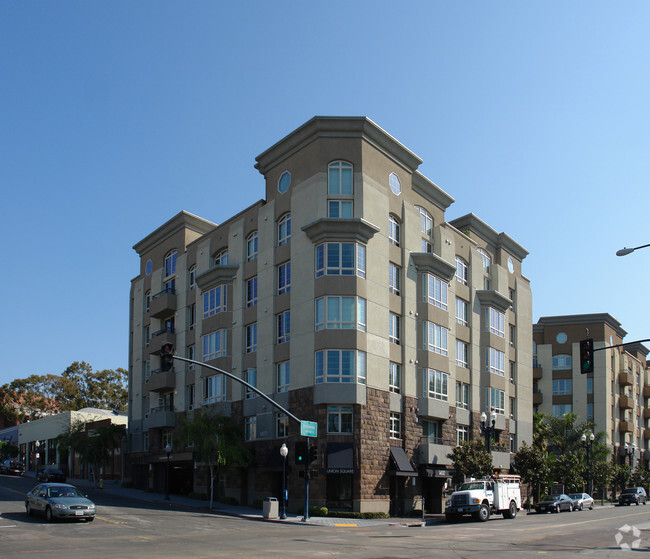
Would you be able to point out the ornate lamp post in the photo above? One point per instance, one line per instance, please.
(588, 443)
(629, 452)
(283, 452)
(488, 429)
(168, 449)
(37, 444)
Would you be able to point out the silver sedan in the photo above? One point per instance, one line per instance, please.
(582, 501)
(59, 500)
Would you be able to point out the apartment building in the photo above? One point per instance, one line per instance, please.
(614, 396)
(348, 298)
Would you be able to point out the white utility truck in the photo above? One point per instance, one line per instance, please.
(482, 497)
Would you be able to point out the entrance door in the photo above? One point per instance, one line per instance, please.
(339, 492)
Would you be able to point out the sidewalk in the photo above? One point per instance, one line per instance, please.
(179, 501)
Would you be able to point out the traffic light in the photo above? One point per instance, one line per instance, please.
(587, 356)
(313, 453)
(166, 357)
(300, 453)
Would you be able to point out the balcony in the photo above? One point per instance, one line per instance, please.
(161, 380)
(625, 379)
(434, 450)
(625, 426)
(161, 337)
(163, 304)
(626, 403)
(159, 417)
(537, 373)
(537, 398)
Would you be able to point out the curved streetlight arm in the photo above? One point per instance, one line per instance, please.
(625, 251)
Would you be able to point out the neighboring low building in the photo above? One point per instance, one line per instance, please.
(615, 396)
(38, 445)
(347, 297)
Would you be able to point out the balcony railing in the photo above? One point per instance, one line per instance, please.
(165, 330)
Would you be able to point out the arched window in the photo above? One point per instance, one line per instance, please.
(487, 260)
(251, 246)
(170, 263)
(284, 229)
(393, 230)
(426, 222)
(339, 178)
(191, 277)
(561, 362)
(221, 258)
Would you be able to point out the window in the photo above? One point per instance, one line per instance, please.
(461, 270)
(394, 377)
(214, 389)
(341, 313)
(395, 425)
(251, 337)
(191, 275)
(170, 263)
(281, 425)
(147, 369)
(560, 410)
(462, 395)
(496, 400)
(251, 292)
(283, 375)
(191, 354)
(561, 362)
(495, 322)
(485, 259)
(513, 442)
(461, 311)
(495, 361)
(340, 208)
(214, 301)
(191, 316)
(432, 432)
(145, 441)
(435, 338)
(146, 335)
(190, 394)
(284, 327)
(435, 291)
(426, 222)
(462, 354)
(512, 372)
(284, 278)
(250, 428)
(512, 335)
(562, 386)
(590, 410)
(214, 345)
(395, 184)
(394, 273)
(285, 182)
(251, 246)
(340, 365)
(393, 230)
(435, 383)
(462, 434)
(221, 258)
(341, 259)
(284, 229)
(590, 385)
(394, 328)
(339, 419)
(147, 301)
(339, 178)
(250, 376)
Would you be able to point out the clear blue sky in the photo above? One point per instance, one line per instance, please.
(114, 116)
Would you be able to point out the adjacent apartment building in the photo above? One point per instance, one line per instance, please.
(347, 297)
(614, 396)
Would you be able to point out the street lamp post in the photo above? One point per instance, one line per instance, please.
(283, 452)
(488, 429)
(629, 452)
(37, 444)
(625, 251)
(168, 449)
(588, 443)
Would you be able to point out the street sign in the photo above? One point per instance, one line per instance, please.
(308, 428)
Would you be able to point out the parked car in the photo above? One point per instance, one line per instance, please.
(582, 500)
(59, 500)
(14, 467)
(636, 495)
(555, 503)
(50, 474)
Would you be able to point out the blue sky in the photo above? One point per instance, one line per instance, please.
(114, 116)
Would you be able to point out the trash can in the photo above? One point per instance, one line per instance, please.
(270, 508)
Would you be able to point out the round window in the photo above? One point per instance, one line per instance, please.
(395, 184)
(285, 182)
(561, 338)
(148, 267)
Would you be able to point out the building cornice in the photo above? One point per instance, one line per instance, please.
(430, 262)
(573, 319)
(431, 191)
(181, 221)
(473, 224)
(333, 228)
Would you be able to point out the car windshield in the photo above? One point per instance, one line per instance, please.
(576, 495)
(471, 485)
(63, 491)
(628, 491)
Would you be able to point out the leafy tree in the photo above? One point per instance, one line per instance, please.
(601, 475)
(567, 470)
(531, 462)
(217, 440)
(470, 459)
(8, 450)
(640, 478)
(621, 474)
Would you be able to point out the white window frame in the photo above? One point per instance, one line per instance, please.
(496, 321)
(486, 260)
(335, 184)
(251, 292)
(170, 263)
(284, 327)
(435, 291)
(214, 389)
(330, 366)
(562, 387)
(283, 376)
(394, 328)
(340, 313)
(340, 420)
(334, 266)
(436, 385)
(496, 400)
(340, 209)
(394, 230)
(462, 354)
(461, 270)
(394, 377)
(284, 229)
(462, 434)
(394, 273)
(495, 361)
(395, 430)
(214, 345)
(251, 337)
(284, 277)
(250, 376)
(252, 246)
(215, 300)
(221, 258)
(435, 338)
(462, 310)
(462, 395)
